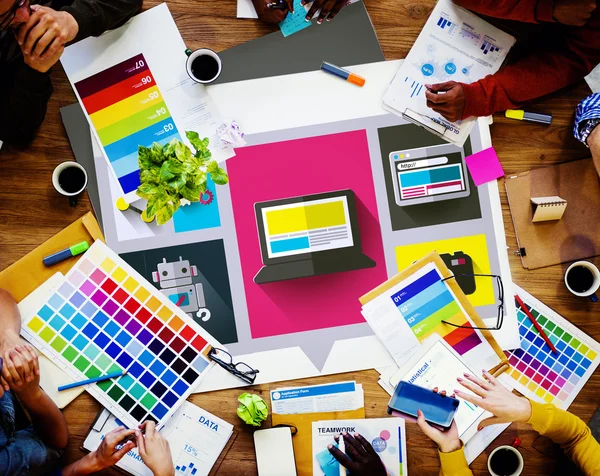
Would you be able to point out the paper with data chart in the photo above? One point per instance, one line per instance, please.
(536, 371)
(136, 91)
(106, 318)
(454, 45)
(196, 439)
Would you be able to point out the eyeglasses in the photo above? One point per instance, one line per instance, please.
(240, 369)
(500, 318)
(10, 15)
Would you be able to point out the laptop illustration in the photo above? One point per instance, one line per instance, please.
(309, 236)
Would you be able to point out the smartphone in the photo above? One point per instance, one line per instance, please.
(439, 411)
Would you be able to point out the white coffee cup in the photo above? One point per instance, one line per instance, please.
(72, 194)
(192, 55)
(519, 469)
(595, 284)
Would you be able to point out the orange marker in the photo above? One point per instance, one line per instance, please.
(344, 74)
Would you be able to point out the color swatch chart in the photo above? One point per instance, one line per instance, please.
(540, 374)
(127, 110)
(104, 318)
(425, 303)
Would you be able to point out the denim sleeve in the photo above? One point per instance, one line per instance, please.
(23, 453)
(587, 116)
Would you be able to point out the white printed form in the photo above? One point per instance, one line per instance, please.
(333, 397)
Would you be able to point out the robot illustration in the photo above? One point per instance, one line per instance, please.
(176, 283)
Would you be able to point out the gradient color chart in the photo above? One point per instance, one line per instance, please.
(105, 317)
(536, 371)
(425, 303)
(127, 110)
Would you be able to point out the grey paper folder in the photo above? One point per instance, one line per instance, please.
(78, 131)
(349, 39)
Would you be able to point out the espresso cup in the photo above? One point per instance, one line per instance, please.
(501, 463)
(70, 179)
(203, 65)
(582, 279)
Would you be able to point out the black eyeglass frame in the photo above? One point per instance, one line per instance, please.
(248, 377)
(11, 14)
(500, 318)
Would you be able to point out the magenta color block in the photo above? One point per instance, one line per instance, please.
(122, 317)
(529, 372)
(546, 384)
(99, 298)
(133, 326)
(521, 366)
(110, 307)
(289, 169)
(484, 166)
(554, 390)
(467, 344)
(560, 382)
(513, 360)
(97, 276)
(543, 369)
(552, 376)
(87, 288)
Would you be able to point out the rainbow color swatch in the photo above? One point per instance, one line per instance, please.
(127, 110)
(104, 318)
(425, 303)
(540, 374)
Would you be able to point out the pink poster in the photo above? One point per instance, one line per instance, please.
(302, 167)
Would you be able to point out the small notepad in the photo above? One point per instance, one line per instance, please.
(548, 208)
(294, 22)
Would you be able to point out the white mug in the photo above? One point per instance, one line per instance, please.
(595, 284)
(519, 469)
(192, 55)
(56, 174)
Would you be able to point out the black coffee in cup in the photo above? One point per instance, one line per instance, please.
(504, 462)
(71, 179)
(204, 67)
(580, 279)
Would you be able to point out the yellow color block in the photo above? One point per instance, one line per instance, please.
(475, 246)
(523, 380)
(108, 265)
(119, 275)
(165, 313)
(540, 392)
(305, 217)
(532, 386)
(126, 108)
(583, 349)
(153, 304)
(591, 354)
(515, 374)
(131, 284)
(142, 294)
(35, 324)
(549, 398)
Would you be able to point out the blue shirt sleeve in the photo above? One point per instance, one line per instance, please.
(23, 454)
(587, 116)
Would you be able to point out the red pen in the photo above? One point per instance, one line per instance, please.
(535, 323)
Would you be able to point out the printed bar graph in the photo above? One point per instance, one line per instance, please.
(425, 303)
(127, 110)
(489, 47)
(445, 23)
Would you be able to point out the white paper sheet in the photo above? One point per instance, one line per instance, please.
(334, 397)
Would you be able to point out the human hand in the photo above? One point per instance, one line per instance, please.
(107, 454)
(447, 99)
(154, 450)
(447, 441)
(495, 398)
(573, 12)
(327, 7)
(272, 15)
(593, 142)
(363, 460)
(43, 37)
(21, 372)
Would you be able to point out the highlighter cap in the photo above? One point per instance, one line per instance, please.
(518, 114)
(356, 79)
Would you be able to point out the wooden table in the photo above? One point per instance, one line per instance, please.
(31, 211)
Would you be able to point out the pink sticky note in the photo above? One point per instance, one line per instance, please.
(484, 166)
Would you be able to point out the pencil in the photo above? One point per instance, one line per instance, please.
(535, 323)
(92, 380)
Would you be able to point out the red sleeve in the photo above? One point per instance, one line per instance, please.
(537, 73)
(529, 11)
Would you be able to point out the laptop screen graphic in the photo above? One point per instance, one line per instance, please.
(307, 227)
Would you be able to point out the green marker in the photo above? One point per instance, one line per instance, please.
(66, 254)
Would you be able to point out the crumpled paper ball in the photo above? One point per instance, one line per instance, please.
(252, 410)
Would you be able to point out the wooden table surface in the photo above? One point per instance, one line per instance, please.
(31, 212)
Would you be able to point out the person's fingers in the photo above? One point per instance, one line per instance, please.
(352, 444)
(28, 364)
(340, 457)
(47, 39)
(490, 378)
(34, 358)
(493, 420)
(290, 5)
(436, 98)
(117, 455)
(22, 32)
(453, 395)
(316, 5)
(141, 444)
(150, 428)
(336, 9)
(476, 389)
(482, 384)
(443, 393)
(366, 445)
(441, 86)
(13, 364)
(426, 428)
(35, 34)
(112, 437)
(325, 9)
(480, 402)
(435, 390)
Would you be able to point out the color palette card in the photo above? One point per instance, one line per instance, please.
(105, 317)
(536, 371)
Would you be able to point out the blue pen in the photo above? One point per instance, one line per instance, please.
(66, 254)
(92, 380)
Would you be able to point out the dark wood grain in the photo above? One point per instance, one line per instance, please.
(31, 212)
